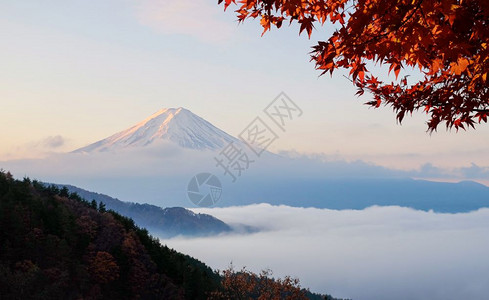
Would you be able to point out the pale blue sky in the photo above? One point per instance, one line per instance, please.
(74, 72)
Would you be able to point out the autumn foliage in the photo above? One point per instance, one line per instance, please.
(247, 285)
(446, 40)
(103, 267)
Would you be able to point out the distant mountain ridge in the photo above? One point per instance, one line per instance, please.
(164, 222)
(177, 125)
(360, 193)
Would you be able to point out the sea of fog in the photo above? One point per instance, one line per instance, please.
(376, 253)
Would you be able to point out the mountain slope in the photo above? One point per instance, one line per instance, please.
(58, 246)
(177, 125)
(164, 222)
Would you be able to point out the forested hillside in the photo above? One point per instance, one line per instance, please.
(56, 245)
(163, 222)
(59, 246)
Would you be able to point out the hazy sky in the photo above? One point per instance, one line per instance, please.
(74, 72)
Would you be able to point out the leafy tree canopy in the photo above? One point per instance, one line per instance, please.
(447, 40)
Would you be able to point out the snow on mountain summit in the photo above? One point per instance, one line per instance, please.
(177, 125)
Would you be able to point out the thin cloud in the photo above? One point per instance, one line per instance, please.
(38, 149)
(362, 167)
(199, 19)
(475, 172)
(53, 142)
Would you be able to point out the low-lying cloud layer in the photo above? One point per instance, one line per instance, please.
(159, 175)
(375, 253)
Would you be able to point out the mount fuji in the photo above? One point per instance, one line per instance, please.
(167, 149)
(177, 125)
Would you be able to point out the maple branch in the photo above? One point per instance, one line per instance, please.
(405, 20)
(448, 43)
(348, 79)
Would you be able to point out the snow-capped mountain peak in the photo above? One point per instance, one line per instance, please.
(177, 125)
